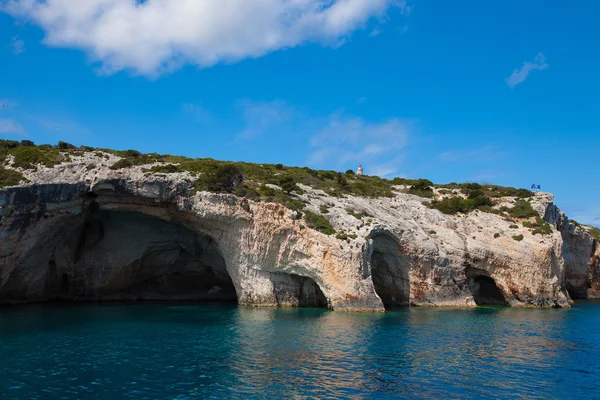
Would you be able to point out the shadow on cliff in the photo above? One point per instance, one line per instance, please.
(389, 270)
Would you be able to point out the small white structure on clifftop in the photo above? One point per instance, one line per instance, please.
(359, 171)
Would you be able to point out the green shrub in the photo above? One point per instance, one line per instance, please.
(518, 238)
(8, 177)
(166, 169)
(349, 172)
(324, 209)
(26, 143)
(522, 209)
(472, 186)
(513, 226)
(28, 157)
(318, 222)
(287, 184)
(225, 179)
(451, 205)
(131, 162)
(540, 227)
(595, 232)
(496, 235)
(65, 146)
(9, 144)
(264, 190)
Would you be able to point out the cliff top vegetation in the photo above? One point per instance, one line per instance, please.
(271, 182)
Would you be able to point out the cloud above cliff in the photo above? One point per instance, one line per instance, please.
(11, 127)
(346, 141)
(153, 36)
(519, 75)
(259, 117)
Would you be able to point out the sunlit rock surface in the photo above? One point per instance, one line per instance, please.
(80, 233)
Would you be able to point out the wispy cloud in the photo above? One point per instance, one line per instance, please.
(260, 117)
(488, 153)
(589, 215)
(198, 112)
(151, 37)
(63, 126)
(344, 142)
(375, 32)
(11, 126)
(18, 46)
(519, 75)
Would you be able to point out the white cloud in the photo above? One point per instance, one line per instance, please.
(520, 74)
(18, 46)
(345, 142)
(10, 126)
(259, 117)
(157, 35)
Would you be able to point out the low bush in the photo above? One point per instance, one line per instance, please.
(65, 146)
(518, 238)
(28, 157)
(453, 205)
(345, 236)
(318, 222)
(225, 179)
(287, 184)
(522, 209)
(496, 235)
(595, 232)
(166, 169)
(539, 227)
(8, 177)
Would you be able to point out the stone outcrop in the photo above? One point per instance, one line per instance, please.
(76, 232)
(582, 261)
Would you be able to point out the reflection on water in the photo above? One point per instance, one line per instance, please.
(191, 351)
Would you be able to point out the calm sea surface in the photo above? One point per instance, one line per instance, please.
(160, 351)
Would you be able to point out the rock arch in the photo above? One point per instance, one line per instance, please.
(113, 254)
(484, 289)
(390, 269)
(124, 240)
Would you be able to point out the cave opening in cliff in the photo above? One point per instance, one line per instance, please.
(486, 292)
(130, 256)
(389, 270)
(297, 291)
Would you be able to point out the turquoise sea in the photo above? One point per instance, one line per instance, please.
(171, 351)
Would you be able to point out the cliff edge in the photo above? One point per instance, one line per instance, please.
(92, 225)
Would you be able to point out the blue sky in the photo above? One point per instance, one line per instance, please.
(502, 92)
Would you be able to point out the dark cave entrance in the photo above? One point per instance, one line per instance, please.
(297, 291)
(389, 270)
(486, 292)
(129, 256)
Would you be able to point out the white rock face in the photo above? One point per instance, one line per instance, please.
(60, 239)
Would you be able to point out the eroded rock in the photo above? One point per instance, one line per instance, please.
(129, 235)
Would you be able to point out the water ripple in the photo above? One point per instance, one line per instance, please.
(192, 352)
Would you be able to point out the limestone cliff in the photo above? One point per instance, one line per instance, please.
(82, 231)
